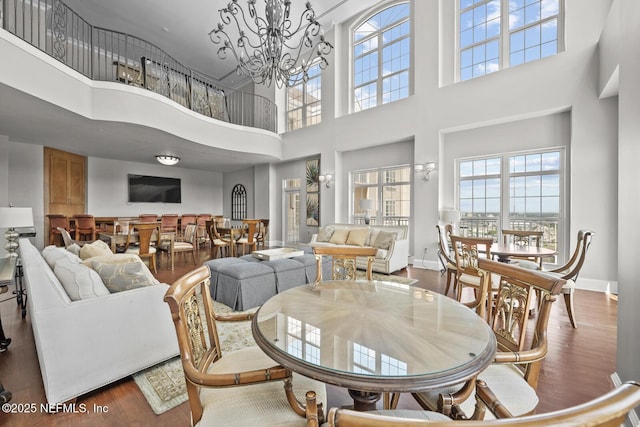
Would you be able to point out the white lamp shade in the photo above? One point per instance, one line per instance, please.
(366, 204)
(450, 216)
(16, 217)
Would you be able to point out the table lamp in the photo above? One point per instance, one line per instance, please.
(366, 205)
(11, 218)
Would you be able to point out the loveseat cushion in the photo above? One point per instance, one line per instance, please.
(79, 281)
(357, 236)
(325, 233)
(94, 249)
(339, 237)
(384, 240)
(53, 254)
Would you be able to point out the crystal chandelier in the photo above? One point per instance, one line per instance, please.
(270, 48)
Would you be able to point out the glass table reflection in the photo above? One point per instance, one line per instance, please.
(373, 337)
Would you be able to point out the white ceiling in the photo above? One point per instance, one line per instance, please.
(28, 119)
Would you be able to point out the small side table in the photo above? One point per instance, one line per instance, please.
(7, 275)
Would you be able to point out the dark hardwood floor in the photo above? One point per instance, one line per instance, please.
(577, 368)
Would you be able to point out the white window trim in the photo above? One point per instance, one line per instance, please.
(504, 41)
(370, 13)
(305, 105)
(563, 217)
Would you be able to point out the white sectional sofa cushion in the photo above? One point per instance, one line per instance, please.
(392, 242)
(86, 344)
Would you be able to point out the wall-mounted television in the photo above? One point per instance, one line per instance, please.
(154, 189)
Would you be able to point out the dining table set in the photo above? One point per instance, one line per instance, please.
(374, 337)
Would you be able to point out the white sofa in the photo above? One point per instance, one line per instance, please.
(389, 258)
(85, 344)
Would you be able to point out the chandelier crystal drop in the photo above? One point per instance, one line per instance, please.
(271, 48)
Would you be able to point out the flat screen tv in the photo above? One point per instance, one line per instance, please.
(154, 189)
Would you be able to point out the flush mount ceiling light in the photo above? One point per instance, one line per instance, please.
(271, 47)
(168, 160)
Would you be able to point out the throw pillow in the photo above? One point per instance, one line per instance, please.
(324, 234)
(112, 259)
(79, 281)
(339, 237)
(74, 249)
(357, 236)
(384, 239)
(124, 276)
(371, 239)
(94, 249)
(53, 254)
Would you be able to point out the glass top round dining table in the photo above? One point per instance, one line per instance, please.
(373, 337)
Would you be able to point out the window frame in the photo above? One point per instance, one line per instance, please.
(505, 219)
(504, 37)
(306, 106)
(379, 216)
(380, 60)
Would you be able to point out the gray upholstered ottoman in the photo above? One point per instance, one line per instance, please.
(245, 285)
(310, 266)
(214, 267)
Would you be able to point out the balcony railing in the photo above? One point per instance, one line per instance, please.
(106, 55)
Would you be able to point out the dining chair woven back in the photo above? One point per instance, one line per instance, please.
(468, 251)
(241, 387)
(147, 218)
(608, 410)
(169, 222)
(343, 261)
(571, 270)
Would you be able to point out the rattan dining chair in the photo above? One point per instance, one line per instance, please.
(467, 251)
(571, 270)
(240, 388)
(444, 253)
(514, 374)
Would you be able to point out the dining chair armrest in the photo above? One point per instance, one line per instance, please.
(522, 357)
(234, 317)
(274, 373)
(485, 398)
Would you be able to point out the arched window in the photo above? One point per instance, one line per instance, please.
(239, 202)
(382, 57)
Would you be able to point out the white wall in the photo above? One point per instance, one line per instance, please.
(628, 202)
(22, 185)
(107, 189)
(565, 82)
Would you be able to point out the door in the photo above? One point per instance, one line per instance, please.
(64, 184)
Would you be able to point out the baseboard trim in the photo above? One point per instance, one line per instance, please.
(426, 264)
(633, 417)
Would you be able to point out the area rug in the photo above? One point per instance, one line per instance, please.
(163, 385)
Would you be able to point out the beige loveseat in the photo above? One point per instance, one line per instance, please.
(86, 335)
(392, 242)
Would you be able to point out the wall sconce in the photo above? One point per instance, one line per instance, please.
(425, 169)
(326, 178)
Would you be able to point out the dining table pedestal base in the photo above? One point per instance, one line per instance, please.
(364, 400)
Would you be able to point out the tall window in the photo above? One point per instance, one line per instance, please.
(304, 101)
(519, 191)
(389, 190)
(496, 34)
(382, 58)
